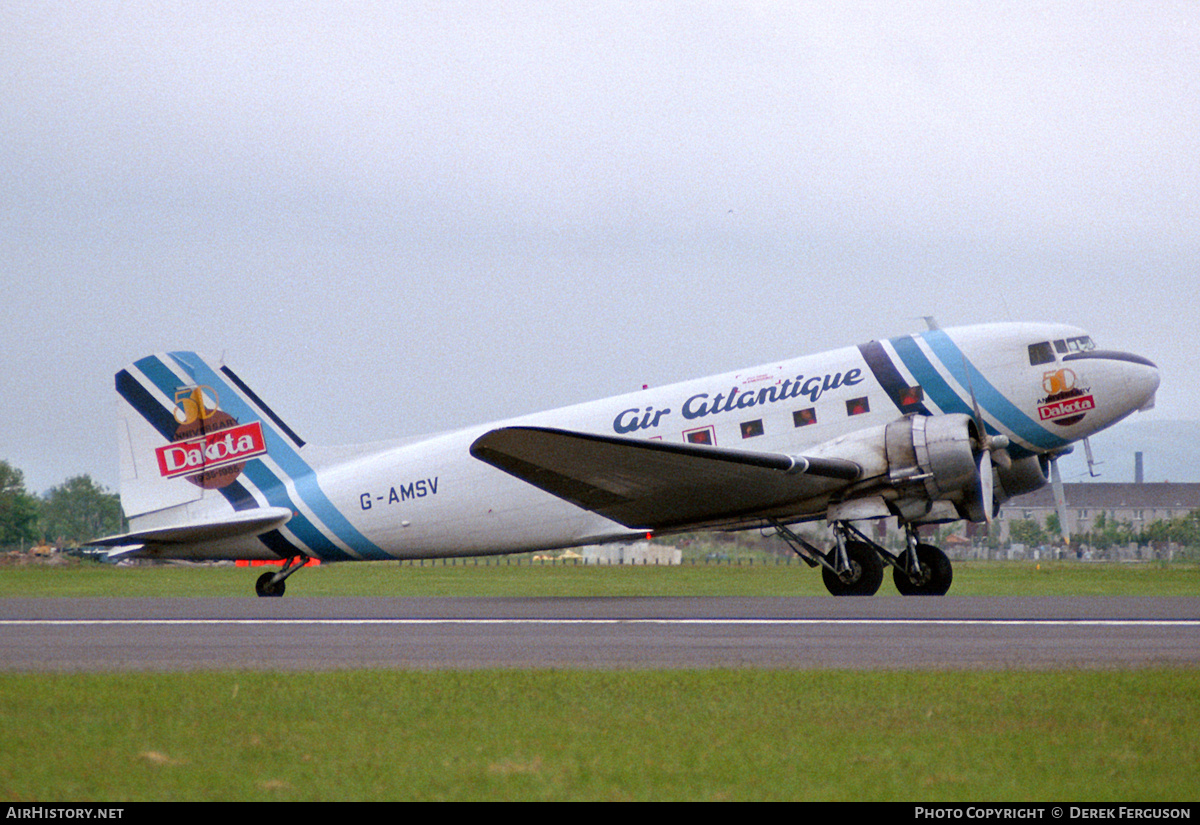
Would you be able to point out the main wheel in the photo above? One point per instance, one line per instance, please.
(264, 587)
(936, 573)
(865, 574)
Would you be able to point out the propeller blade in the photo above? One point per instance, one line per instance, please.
(990, 446)
(1060, 499)
(986, 486)
(994, 444)
(974, 403)
(1087, 448)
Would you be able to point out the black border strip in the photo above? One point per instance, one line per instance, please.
(145, 405)
(889, 377)
(241, 385)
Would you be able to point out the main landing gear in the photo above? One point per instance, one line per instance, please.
(273, 584)
(922, 570)
(854, 565)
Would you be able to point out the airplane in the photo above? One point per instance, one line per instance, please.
(928, 428)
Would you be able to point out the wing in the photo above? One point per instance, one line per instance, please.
(651, 485)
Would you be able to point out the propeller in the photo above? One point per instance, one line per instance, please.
(986, 485)
(1060, 499)
(1091, 459)
(990, 447)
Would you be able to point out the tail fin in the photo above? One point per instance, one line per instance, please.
(199, 448)
(188, 431)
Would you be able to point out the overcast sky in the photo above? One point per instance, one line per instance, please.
(393, 218)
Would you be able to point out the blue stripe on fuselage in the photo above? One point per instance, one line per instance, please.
(265, 479)
(936, 388)
(968, 376)
(889, 377)
(299, 525)
(298, 471)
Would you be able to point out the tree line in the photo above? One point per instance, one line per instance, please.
(1107, 532)
(68, 515)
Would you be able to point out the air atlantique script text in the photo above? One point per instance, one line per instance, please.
(702, 404)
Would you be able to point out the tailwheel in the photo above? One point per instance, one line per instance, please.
(266, 587)
(863, 574)
(932, 579)
(272, 584)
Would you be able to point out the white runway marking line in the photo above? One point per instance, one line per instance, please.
(1186, 623)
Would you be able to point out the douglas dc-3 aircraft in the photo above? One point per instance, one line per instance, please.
(943, 425)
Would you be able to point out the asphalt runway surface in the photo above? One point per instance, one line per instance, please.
(299, 634)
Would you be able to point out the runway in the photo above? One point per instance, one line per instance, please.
(298, 634)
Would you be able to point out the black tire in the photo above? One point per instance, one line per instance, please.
(264, 587)
(936, 568)
(866, 572)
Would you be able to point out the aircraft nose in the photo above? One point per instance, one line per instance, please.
(1143, 382)
(1136, 376)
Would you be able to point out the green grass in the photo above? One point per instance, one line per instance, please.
(597, 735)
(471, 578)
(564, 735)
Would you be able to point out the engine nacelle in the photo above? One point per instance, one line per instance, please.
(1022, 476)
(934, 459)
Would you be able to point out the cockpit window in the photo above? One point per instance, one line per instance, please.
(1041, 353)
(1081, 343)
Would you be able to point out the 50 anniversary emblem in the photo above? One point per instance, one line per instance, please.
(1064, 404)
(210, 447)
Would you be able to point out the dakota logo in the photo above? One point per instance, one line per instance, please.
(232, 445)
(1067, 406)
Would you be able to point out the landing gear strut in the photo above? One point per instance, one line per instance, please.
(273, 584)
(854, 566)
(850, 568)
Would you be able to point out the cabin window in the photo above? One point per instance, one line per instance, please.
(858, 406)
(911, 397)
(802, 418)
(1041, 353)
(752, 428)
(704, 435)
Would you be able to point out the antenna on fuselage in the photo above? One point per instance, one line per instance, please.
(930, 321)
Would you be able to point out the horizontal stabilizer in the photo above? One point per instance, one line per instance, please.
(246, 522)
(654, 485)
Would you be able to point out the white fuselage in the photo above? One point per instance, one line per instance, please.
(430, 497)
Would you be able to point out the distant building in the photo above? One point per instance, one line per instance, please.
(639, 552)
(1138, 504)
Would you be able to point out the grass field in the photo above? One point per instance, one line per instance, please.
(580, 735)
(598, 735)
(471, 578)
